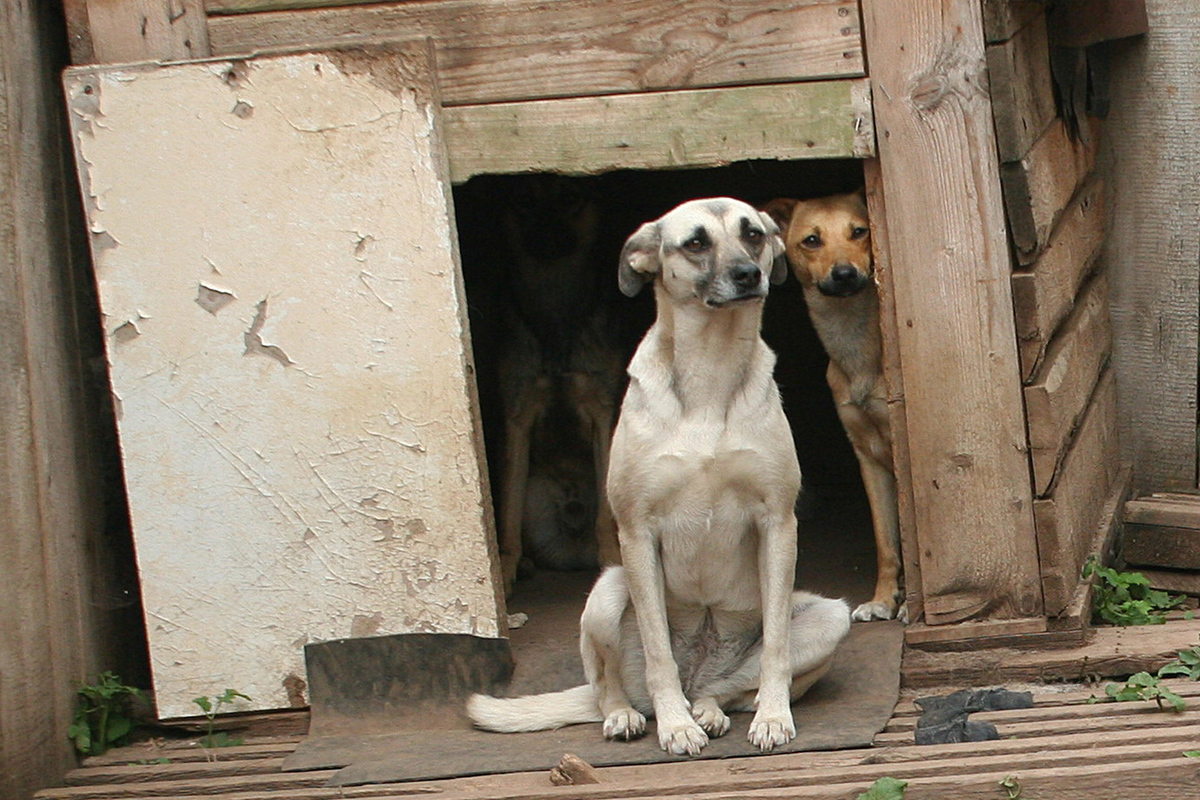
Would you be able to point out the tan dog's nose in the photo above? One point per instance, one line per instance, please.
(843, 280)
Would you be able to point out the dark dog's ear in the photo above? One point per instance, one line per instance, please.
(780, 209)
(779, 262)
(639, 259)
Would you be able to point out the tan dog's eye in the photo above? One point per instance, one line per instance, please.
(812, 241)
(858, 232)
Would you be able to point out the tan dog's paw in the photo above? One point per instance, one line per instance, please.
(876, 609)
(684, 739)
(768, 732)
(626, 724)
(710, 716)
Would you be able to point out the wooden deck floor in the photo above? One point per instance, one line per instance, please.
(1062, 748)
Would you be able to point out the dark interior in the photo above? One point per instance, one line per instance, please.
(836, 547)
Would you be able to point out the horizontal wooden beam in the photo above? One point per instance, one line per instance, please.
(659, 130)
(492, 51)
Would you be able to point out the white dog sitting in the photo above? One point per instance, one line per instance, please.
(703, 478)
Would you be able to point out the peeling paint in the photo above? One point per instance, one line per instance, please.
(242, 110)
(212, 299)
(343, 492)
(253, 338)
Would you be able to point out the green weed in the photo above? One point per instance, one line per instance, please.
(211, 707)
(885, 789)
(103, 717)
(1125, 598)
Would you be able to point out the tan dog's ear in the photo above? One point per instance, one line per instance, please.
(779, 262)
(639, 259)
(780, 209)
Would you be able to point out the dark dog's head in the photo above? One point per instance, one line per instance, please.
(549, 219)
(717, 250)
(828, 241)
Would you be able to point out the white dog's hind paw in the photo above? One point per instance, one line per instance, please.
(876, 609)
(625, 723)
(767, 734)
(686, 739)
(712, 719)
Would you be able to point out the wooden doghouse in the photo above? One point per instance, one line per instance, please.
(987, 222)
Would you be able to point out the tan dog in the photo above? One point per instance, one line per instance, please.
(829, 247)
(703, 476)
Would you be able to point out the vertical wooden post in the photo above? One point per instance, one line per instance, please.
(950, 270)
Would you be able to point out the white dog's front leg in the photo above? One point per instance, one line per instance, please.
(678, 732)
(773, 724)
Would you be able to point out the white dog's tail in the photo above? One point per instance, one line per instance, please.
(535, 712)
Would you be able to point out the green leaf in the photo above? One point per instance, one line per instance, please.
(204, 703)
(118, 728)
(885, 789)
(1191, 753)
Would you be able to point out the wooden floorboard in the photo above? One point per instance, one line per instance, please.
(1063, 745)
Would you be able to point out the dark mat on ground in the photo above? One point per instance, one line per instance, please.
(844, 710)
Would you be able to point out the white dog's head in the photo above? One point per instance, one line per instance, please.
(717, 250)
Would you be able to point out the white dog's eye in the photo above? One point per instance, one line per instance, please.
(753, 234)
(695, 245)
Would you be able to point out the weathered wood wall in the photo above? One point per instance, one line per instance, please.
(1150, 159)
(53, 625)
(1055, 209)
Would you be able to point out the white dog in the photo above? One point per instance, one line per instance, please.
(703, 478)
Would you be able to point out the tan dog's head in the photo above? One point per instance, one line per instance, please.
(828, 241)
(716, 250)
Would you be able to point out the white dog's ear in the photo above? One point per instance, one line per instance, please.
(639, 259)
(779, 262)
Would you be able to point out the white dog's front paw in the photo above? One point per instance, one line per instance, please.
(712, 719)
(876, 609)
(625, 723)
(686, 738)
(769, 731)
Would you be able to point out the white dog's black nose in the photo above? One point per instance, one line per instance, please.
(746, 276)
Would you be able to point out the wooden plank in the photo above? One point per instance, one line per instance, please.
(1150, 164)
(1175, 510)
(1066, 520)
(242, 404)
(124, 31)
(1039, 187)
(1110, 652)
(918, 635)
(79, 36)
(657, 130)
(492, 51)
(57, 621)
(894, 378)
(190, 770)
(1044, 294)
(1003, 18)
(1080, 23)
(1174, 548)
(1170, 580)
(1022, 89)
(1058, 396)
(957, 344)
(1078, 614)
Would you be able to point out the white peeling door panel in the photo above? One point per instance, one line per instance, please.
(274, 249)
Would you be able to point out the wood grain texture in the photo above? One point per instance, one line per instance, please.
(1039, 187)
(1044, 293)
(1173, 548)
(661, 130)
(53, 614)
(894, 378)
(966, 425)
(122, 31)
(503, 50)
(1067, 519)
(1058, 396)
(1003, 18)
(1022, 89)
(1150, 161)
(1079, 23)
